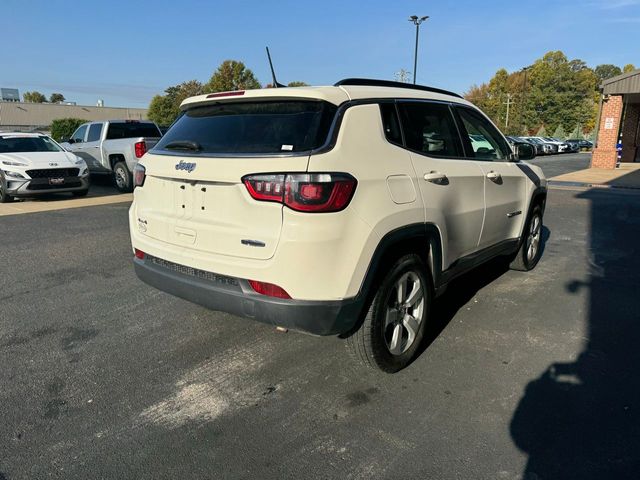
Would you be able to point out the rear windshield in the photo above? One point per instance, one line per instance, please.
(132, 130)
(10, 144)
(251, 128)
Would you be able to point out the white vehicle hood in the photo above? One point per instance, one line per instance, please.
(38, 160)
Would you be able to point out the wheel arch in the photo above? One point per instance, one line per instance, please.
(423, 239)
(115, 158)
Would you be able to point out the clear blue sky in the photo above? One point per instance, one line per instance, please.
(126, 51)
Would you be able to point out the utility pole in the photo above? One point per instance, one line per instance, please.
(416, 21)
(524, 99)
(508, 103)
(402, 76)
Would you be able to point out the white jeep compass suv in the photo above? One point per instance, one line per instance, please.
(338, 210)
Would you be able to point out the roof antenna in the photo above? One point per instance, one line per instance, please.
(273, 73)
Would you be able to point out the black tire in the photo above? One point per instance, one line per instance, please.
(122, 177)
(80, 193)
(523, 260)
(370, 344)
(4, 196)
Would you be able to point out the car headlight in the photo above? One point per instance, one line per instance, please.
(80, 161)
(14, 164)
(9, 174)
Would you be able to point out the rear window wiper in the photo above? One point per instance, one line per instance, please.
(183, 145)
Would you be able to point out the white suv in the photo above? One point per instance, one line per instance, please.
(338, 210)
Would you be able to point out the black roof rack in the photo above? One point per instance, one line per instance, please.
(371, 82)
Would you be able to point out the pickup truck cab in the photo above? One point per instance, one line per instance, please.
(114, 147)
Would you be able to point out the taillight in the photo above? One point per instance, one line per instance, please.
(269, 188)
(139, 175)
(140, 149)
(268, 289)
(303, 192)
(138, 253)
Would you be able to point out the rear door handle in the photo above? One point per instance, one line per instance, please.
(435, 177)
(494, 176)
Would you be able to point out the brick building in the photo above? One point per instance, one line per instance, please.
(619, 118)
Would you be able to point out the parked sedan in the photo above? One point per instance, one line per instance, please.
(32, 164)
(574, 145)
(542, 148)
(582, 143)
(563, 147)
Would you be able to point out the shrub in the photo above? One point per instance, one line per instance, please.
(63, 128)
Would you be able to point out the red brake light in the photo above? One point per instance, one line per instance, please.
(235, 93)
(140, 149)
(139, 175)
(139, 254)
(268, 289)
(304, 192)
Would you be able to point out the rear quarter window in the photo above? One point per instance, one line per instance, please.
(278, 127)
(132, 130)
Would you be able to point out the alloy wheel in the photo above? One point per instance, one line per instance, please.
(533, 239)
(405, 309)
(121, 178)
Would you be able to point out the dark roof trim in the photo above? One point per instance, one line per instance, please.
(370, 82)
(622, 76)
(626, 83)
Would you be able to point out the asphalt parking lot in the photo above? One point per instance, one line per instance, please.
(523, 375)
(554, 165)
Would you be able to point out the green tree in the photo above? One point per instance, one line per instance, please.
(63, 128)
(561, 92)
(297, 84)
(605, 71)
(56, 98)
(559, 133)
(576, 132)
(232, 75)
(542, 132)
(34, 97)
(164, 109)
(629, 67)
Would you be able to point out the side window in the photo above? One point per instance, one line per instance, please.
(485, 142)
(78, 136)
(95, 129)
(390, 123)
(429, 128)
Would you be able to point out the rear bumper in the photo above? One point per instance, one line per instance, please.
(235, 296)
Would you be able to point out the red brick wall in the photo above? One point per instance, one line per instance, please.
(605, 155)
(629, 131)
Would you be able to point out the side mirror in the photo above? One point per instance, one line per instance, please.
(525, 151)
(67, 140)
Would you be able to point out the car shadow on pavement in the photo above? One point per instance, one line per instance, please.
(582, 419)
(462, 290)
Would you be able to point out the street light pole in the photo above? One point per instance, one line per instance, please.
(416, 21)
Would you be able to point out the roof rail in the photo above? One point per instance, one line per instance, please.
(371, 82)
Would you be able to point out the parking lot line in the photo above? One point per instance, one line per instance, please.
(18, 208)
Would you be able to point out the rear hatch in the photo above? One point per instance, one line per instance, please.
(193, 195)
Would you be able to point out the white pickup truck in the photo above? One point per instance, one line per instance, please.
(114, 147)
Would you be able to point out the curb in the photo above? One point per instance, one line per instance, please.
(559, 183)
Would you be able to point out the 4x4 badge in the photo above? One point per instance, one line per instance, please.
(188, 166)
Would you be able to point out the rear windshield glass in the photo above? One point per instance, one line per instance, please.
(10, 144)
(251, 128)
(131, 130)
